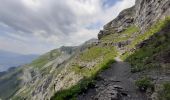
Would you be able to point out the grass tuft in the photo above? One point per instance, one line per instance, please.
(164, 94)
(144, 83)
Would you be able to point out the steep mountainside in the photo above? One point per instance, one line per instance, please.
(29, 76)
(39, 76)
(36, 80)
(139, 35)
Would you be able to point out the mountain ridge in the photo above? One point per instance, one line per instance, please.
(139, 35)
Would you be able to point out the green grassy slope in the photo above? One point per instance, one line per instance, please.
(95, 52)
(158, 43)
(122, 36)
(106, 53)
(43, 59)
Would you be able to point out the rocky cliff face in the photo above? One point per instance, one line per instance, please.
(144, 14)
(149, 11)
(122, 21)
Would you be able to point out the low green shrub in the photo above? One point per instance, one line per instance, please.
(144, 83)
(165, 93)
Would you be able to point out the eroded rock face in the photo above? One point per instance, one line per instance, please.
(124, 19)
(143, 14)
(149, 11)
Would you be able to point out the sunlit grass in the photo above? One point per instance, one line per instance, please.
(119, 37)
(108, 53)
(142, 58)
(44, 59)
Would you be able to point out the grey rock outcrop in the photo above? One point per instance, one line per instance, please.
(149, 11)
(122, 21)
(144, 14)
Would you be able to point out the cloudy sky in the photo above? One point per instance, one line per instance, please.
(37, 26)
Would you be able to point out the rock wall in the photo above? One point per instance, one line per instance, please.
(143, 14)
(123, 20)
(149, 11)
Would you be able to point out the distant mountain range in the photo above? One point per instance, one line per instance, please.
(10, 59)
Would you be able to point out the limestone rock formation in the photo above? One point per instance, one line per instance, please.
(144, 14)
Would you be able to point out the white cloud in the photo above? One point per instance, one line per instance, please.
(32, 3)
(53, 22)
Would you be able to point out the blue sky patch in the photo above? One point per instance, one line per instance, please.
(95, 25)
(109, 3)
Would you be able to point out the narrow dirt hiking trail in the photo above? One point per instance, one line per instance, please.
(115, 83)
